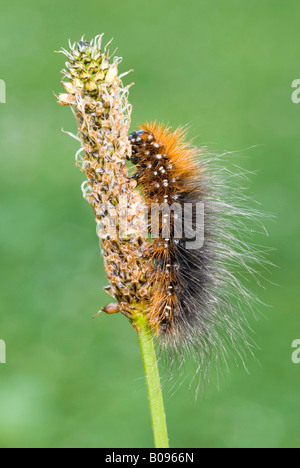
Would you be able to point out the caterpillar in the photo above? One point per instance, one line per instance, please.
(197, 302)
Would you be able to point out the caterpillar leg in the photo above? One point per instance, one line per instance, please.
(135, 139)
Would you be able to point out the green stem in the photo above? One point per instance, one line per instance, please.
(155, 397)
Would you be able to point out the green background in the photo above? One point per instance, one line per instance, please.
(224, 68)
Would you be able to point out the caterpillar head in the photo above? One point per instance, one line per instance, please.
(144, 146)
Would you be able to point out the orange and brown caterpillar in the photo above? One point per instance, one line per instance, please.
(169, 174)
(196, 298)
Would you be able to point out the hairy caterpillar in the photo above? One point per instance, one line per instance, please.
(197, 302)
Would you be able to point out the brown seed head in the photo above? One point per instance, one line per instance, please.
(100, 104)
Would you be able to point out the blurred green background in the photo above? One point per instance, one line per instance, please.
(226, 69)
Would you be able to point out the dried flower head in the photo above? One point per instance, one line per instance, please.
(100, 104)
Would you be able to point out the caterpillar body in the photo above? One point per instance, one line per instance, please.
(195, 302)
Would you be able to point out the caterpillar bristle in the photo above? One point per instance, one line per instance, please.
(196, 300)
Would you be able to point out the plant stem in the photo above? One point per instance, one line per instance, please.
(155, 397)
